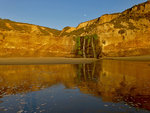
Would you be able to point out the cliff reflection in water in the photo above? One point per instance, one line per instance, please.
(26, 78)
(113, 81)
(117, 81)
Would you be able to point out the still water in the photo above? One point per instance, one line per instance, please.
(101, 87)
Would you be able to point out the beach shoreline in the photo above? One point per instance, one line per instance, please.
(44, 60)
(63, 60)
(131, 58)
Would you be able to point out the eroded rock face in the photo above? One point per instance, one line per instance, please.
(26, 40)
(18, 45)
(120, 34)
(128, 34)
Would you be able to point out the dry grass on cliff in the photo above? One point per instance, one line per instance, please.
(8, 25)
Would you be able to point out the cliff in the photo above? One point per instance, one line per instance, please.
(128, 34)
(21, 39)
(119, 34)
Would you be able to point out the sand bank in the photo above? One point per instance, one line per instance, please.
(44, 60)
(132, 58)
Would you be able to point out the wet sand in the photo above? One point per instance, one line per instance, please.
(44, 60)
(61, 60)
(132, 58)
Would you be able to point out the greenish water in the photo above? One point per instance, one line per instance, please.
(106, 86)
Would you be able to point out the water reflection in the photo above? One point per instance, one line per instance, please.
(117, 81)
(25, 78)
(127, 81)
(111, 81)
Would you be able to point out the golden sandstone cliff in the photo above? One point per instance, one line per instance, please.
(24, 40)
(119, 34)
(128, 34)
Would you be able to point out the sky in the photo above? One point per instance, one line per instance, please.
(60, 13)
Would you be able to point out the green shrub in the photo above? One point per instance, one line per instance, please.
(79, 53)
(3, 26)
(95, 36)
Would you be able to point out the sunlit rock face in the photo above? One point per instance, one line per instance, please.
(121, 34)
(23, 40)
(128, 34)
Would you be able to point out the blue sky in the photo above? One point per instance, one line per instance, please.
(60, 13)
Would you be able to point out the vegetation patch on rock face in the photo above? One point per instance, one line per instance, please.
(3, 26)
(87, 46)
(77, 32)
(125, 19)
(117, 24)
(54, 31)
(122, 31)
(44, 32)
(66, 28)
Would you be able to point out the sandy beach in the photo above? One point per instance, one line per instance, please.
(132, 58)
(44, 60)
(61, 60)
